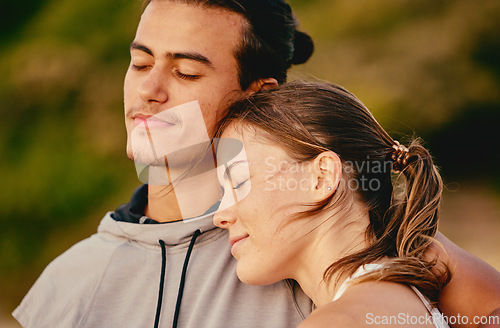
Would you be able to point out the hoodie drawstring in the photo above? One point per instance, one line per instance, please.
(183, 278)
(181, 284)
(162, 282)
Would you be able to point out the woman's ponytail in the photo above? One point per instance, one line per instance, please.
(419, 208)
(407, 229)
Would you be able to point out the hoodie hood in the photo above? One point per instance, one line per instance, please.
(129, 221)
(172, 233)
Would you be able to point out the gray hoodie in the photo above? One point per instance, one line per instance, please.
(113, 279)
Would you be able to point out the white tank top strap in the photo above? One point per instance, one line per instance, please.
(436, 315)
(362, 270)
(422, 298)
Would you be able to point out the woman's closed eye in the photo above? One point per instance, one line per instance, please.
(237, 186)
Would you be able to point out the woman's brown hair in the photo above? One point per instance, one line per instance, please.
(306, 119)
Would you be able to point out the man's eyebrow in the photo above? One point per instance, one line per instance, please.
(141, 47)
(190, 56)
(227, 173)
(175, 55)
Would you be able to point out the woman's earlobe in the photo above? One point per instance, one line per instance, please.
(327, 173)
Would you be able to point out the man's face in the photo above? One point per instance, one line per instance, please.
(181, 53)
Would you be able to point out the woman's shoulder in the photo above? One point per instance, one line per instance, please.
(332, 316)
(377, 303)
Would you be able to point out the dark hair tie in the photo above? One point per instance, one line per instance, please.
(400, 156)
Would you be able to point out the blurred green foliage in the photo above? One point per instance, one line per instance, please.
(430, 67)
(62, 138)
(16, 13)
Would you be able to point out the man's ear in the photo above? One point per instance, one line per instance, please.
(326, 174)
(262, 84)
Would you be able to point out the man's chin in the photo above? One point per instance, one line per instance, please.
(145, 159)
(153, 173)
(149, 162)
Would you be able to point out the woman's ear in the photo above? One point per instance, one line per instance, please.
(262, 84)
(326, 174)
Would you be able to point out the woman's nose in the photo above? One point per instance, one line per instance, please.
(223, 219)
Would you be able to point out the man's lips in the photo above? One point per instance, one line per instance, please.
(151, 121)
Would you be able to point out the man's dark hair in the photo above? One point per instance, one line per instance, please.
(270, 43)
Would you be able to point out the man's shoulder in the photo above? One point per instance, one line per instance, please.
(67, 284)
(91, 252)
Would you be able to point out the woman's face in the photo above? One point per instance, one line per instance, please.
(263, 189)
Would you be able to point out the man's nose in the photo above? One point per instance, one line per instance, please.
(154, 87)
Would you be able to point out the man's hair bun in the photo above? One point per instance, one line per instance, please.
(303, 48)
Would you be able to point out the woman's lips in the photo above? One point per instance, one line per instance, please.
(236, 242)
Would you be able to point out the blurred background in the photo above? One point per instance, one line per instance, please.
(428, 67)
